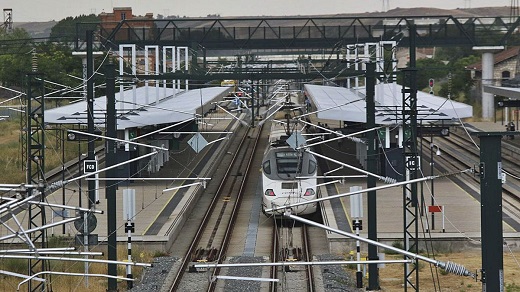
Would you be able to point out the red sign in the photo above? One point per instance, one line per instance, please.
(434, 209)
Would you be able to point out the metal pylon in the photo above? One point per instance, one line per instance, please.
(8, 20)
(514, 10)
(35, 136)
(411, 163)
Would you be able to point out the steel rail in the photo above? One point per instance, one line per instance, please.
(275, 244)
(200, 231)
(306, 246)
(231, 223)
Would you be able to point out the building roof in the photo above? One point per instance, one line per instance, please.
(499, 58)
(139, 107)
(343, 104)
(511, 92)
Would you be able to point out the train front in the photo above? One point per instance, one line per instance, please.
(288, 177)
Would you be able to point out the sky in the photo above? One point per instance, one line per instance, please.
(37, 10)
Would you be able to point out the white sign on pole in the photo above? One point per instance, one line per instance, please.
(296, 140)
(197, 142)
(356, 203)
(89, 166)
(128, 204)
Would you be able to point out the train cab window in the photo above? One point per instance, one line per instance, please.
(312, 167)
(288, 162)
(267, 167)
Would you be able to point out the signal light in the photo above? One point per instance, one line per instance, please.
(309, 192)
(431, 82)
(269, 193)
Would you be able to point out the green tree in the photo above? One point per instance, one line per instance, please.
(427, 68)
(56, 62)
(452, 54)
(15, 56)
(67, 29)
(461, 82)
(430, 69)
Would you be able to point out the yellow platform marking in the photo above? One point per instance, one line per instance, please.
(344, 208)
(159, 213)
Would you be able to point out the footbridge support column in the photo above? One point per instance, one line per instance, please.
(488, 65)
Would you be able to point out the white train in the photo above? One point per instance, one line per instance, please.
(288, 175)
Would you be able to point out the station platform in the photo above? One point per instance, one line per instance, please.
(457, 228)
(158, 213)
(498, 126)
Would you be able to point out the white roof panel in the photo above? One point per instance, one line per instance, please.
(138, 109)
(343, 104)
(511, 92)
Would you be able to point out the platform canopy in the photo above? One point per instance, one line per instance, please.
(344, 104)
(138, 108)
(511, 92)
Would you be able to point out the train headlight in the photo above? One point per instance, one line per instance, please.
(269, 193)
(309, 192)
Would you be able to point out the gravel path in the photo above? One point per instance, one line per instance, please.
(254, 272)
(333, 278)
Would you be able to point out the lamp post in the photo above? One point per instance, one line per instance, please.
(438, 153)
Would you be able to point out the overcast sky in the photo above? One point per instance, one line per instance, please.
(38, 10)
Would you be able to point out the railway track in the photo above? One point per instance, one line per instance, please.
(291, 242)
(459, 152)
(71, 168)
(214, 232)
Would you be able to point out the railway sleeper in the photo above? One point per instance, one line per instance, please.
(291, 255)
(192, 269)
(202, 255)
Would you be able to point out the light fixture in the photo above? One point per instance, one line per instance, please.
(438, 152)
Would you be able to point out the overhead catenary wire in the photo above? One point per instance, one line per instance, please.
(366, 190)
(449, 267)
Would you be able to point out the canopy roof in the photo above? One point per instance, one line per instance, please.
(344, 104)
(511, 92)
(139, 107)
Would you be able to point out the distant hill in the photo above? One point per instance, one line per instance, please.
(470, 12)
(427, 11)
(37, 29)
(43, 29)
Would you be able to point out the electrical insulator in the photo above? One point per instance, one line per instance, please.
(34, 63)
(456, 269)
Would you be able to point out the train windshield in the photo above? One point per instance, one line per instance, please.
(288, 162)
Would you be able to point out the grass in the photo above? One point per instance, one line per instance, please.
(512, 287)
(12, 172)
(391, 277)
(11, 159)
(75, 283)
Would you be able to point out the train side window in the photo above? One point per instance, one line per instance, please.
(267, 167)
(312, 167)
